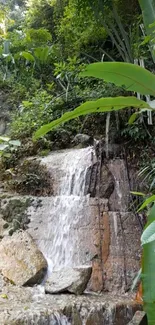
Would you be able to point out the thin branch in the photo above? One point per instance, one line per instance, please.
(107, 134)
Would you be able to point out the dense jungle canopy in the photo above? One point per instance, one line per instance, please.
(45, 44)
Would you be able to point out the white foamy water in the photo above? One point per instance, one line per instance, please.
(68, 208)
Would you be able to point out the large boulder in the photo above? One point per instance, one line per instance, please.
(21, 262)
(69, 280)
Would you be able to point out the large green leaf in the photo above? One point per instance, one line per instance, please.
(148, 234)
(98, 106)
(128, 75)
(148, 283)
(148, 272)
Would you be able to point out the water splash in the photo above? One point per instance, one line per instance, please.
(59, 319)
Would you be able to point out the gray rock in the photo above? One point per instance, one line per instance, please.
(69, 280)
(21, 261)
(83, 139)
(105, 183)
(139, 319)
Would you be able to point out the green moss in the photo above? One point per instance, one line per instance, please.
(14, 212)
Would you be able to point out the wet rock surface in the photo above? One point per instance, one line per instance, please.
(20, 260)
(69, 280)
(31, 306)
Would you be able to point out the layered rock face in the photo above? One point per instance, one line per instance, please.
(86, 222)
(101, 230)
(27, 306)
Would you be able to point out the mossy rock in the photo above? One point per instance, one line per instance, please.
(14, 212)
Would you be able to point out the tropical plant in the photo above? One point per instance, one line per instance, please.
(148, 11)
(147, 175)
(129, 76)
(7, 145)
(137, 79)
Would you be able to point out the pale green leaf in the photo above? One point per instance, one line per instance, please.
(15, 143)
(98, 106)
(151, 216)
(4, 139)
(132, 118)
(6, 154)
(136, 280)
(3, 146)
(148, 234)
(138, 193)
(147, 202)
(28, 56)
(4, 296)
(127, 75)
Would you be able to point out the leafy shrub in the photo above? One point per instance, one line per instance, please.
(31, 178)
(30, 114)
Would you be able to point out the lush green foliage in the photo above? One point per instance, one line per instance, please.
(132, 77)
(44, 51)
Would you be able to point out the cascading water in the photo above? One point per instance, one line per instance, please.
(67, 208)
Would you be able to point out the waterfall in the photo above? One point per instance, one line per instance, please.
(66, 208)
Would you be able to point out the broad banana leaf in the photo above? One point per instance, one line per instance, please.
(148, 268)
(99, 106)
(130, 76)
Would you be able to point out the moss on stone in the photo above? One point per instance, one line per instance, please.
(14, 212)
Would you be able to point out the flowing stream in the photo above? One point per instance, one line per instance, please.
(67, 207)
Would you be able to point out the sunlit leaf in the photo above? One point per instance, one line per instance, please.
(132, 118)
(136, 280)
(138, 193)
(15, 143)
(4, 296)
(147, 202)
(148, 234)
(98, 106)
(28, 56)
(3, 139)
(127, 75)
(3, 146)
